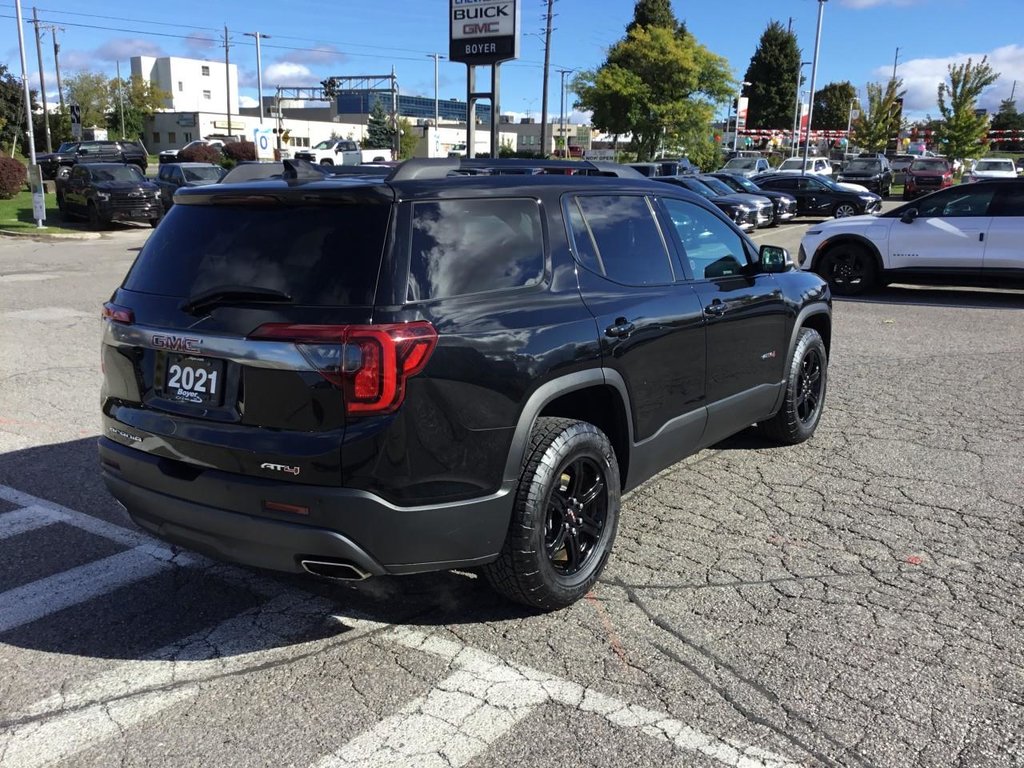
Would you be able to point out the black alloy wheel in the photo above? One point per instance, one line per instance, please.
(809, 386)
(804, 400)
(577, 511)
(849, 270)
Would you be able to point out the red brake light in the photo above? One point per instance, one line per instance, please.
(370, 363)
(118, 314)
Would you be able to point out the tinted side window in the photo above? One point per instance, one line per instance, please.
(783, 183)
(627, 239)
(461, 247)
(1009, 201)
(961, 200)
(710, 245)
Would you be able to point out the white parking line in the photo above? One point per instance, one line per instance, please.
(777, 230)
(26, 519)
(484, 699)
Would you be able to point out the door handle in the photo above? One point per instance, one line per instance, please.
(715, 309)
(621, 328)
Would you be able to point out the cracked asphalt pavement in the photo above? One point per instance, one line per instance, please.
(852, 601)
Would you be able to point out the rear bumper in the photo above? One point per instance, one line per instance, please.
(225, 515)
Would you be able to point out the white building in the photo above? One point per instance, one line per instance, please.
(195, 85)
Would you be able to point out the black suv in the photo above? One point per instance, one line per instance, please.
(59, 163)
(356, 376)
(104, 192)
(871, 171)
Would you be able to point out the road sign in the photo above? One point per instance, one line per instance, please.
(35, 183)
(76, 121)
(264, 140)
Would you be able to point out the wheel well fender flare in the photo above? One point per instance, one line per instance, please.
(548, 392)
(818, 308)
(847, 239)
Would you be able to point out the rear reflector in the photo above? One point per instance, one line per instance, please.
(276, 506)
(369, 363)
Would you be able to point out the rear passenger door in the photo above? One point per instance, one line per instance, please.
(1003, 249)
(648, 318)
(747, 319)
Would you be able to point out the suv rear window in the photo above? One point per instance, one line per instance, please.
(461, 247)
(318, 255)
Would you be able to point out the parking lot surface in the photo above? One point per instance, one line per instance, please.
(852, 601)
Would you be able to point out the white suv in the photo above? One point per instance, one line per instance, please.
(992, 168)
(968, 233)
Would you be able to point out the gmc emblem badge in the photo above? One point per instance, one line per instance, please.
(177, 343)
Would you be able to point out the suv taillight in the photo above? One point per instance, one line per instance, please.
(118, 314)
(369, 363)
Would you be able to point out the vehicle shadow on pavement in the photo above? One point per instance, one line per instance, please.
(926, 296)
(143, 612)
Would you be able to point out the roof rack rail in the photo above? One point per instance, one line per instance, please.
(439, 168)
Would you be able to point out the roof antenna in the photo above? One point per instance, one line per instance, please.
(301, 170)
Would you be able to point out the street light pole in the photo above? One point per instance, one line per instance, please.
(849, 124)
(565, 141)
(28, 107)
(437, 108)
(259, 68)
(794, 141)
(739, 95)
(814, 78)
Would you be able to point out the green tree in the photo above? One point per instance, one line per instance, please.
(141, 100)
(880, 119)
(91, 92)
(963, 132)
(379, 132)
(658, 84)
(654, 13)
(409, 139)
(1008, 119)
(12, 107)
(832, 106)
(772, 77)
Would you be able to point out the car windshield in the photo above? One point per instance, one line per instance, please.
(203, 173)
(718, 185)
(742, 163)
(325, 144)
(864, 165)
(117, 173)
(928, 165)
(994, 165)
(67, 146)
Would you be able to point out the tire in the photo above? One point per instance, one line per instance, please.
(326, 162)
(843, 210)
(559, 537)
(848, 269)
(63, 172)
(806, 383)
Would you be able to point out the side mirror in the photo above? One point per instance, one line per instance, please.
(909, 215)
(775, 259)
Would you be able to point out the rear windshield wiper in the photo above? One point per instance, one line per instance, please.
(232, 294)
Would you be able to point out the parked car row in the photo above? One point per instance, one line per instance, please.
(58, 164)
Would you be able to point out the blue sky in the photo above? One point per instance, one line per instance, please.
(312, 39)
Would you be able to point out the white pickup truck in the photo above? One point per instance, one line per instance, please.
(340, 152)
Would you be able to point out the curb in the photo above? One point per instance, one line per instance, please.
(42, 234)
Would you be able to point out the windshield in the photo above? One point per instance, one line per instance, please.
(117, 173)
(864, 165)
(718, 185)
(67, 146)
(928, 165)
(203, 173)
(325, 144)
(701, 189)
(742, 163)
(994, 165)
(319, 255)
(794, 164)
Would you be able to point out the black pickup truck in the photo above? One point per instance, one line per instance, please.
(58, 164)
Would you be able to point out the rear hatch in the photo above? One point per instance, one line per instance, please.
(226, 345)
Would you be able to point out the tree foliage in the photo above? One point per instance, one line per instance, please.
(12, 177)
(832, 106)
(12, 108)
(408, 140)
(654, 13)
(880, 119)
(658, 84)
(91, 92)
(772, 76)
(963, 132)
(141, 100)
(379, 132)
(1008, 119)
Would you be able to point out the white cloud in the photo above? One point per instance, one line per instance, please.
(123, 48)
(289, 73)
(861, 4)
(322, 53)
(247, 101)
(921, 78)
(200, 42)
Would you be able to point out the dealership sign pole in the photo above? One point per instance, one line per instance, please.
(483, 33)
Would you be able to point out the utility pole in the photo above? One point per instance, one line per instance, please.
(437, 109)
(56, 63)
(120, 97)
(895, 61)
(37, 192)
(227, 75)
(42, 81)
(565, 145)
(549, 17)
(259, 70)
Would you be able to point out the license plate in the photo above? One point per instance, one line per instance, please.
(197, 380)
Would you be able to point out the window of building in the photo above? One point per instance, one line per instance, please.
(188, 137)
(181, 86)
(206, 71)
(206, 95)
(156, 137)
(172, 137)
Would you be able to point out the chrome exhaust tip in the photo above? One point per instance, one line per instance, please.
(340, 570)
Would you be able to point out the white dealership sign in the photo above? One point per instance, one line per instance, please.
(483, 31)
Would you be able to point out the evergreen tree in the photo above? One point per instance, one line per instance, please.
(1008, 119)
(379, 132)
(832, 106)
(963, 133)
(653, 13)
(772, 77)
